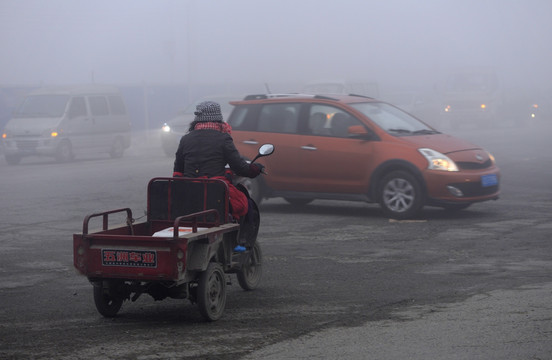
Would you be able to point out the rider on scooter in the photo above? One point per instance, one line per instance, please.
(206, 149)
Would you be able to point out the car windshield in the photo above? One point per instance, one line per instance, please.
(42, 106)
(393, 120)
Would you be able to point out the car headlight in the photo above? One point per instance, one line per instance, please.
(438, 161)
(166, 128)
(491, 157)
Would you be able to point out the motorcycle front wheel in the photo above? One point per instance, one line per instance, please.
(251, 272)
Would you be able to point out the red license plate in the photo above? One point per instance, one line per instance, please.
(129, 258)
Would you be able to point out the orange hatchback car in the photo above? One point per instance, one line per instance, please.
(348, 147)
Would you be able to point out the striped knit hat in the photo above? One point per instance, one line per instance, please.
(208, 111)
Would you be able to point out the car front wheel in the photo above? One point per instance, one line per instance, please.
(400, 195)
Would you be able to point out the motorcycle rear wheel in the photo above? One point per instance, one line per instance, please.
(107, 301)
(211, 292)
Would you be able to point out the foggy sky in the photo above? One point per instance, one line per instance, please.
(164, 41)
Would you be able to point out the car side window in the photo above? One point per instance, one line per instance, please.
(242, 118)
(77, 107)
(98, 106)
(327, 120)
(279, 118)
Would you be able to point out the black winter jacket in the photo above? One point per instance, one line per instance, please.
(206, 153)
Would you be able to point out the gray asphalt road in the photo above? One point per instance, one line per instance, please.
(340, 280)
(501, 324)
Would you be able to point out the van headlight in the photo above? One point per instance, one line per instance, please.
(438, 161)
(166, 128)
(51, 133)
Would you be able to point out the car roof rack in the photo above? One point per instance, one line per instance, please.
(359, 95)
(272, 96)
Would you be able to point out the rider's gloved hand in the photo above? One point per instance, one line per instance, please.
(255, 169)
(177, 174)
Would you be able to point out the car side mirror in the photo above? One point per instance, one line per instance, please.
(357, 130)
(360, 132)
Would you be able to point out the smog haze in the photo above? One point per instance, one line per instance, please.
(392, 42)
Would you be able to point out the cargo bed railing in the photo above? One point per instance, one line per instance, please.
(105, 219)
(194, 217)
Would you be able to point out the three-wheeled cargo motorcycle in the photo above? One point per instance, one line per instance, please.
(184, 250)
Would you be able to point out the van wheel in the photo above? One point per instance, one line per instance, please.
(400, 195)
(117, 149)
(12, 159)
(64, 152)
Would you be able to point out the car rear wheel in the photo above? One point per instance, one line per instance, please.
(400, 195)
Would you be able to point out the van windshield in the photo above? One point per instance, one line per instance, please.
(42, 106)
(393, 120)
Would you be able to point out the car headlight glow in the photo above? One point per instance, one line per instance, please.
(51, 133)
(491, 157)
(438, 161)
(166, 128)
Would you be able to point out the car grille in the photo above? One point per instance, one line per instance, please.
(27, 144)
(475, 189)
(468, 165)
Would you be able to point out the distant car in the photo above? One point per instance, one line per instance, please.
(471, 96)
(68, 121)
(172, 130)
(342, 147)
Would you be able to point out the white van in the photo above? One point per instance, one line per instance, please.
(64, 122)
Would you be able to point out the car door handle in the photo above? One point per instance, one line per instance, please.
(251, 142)
(309, 147)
